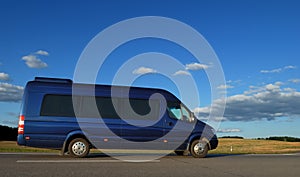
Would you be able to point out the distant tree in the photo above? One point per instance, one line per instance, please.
(8, 133)
(235, 137)
(284, 138)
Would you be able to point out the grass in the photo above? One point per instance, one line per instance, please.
(238, 146)
(248, 146)
(11, 146)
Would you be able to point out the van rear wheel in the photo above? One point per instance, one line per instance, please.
(199, 149)
(79, 147)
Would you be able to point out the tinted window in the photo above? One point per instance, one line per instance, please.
(144, 109)
(57, 105)
(140, 107)
(62, 106)
(104, 107)
(86, 108)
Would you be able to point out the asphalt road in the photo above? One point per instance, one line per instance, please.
(17, 164)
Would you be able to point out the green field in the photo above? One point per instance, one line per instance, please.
(11, 146)
(226, 146)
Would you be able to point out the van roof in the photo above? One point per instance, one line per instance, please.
(68, 83)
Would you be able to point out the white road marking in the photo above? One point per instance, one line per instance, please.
(291, 154)
(84, 161)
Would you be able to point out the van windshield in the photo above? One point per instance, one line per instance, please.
(180, 112)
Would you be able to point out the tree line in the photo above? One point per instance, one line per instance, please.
(275, 138)
(8, 133)
(281, 138)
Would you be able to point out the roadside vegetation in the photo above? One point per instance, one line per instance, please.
(8, 133)
(11, 146)
(226, 146)
(251, 146)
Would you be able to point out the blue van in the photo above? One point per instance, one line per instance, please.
(53, 117)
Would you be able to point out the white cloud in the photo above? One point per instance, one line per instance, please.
(4, 76)
(10, 93)
(196, 66)
(267, 102)
(14, 123)
(229, 130)
(143, 70)
(235, 81)
(181, 72)
(295, 81)
(272, 71)
(290, 67)
(42, 52)
(32, 61)
(273, 88)
(13, 114)
(278, 70)
(224, 87)
(189, 67)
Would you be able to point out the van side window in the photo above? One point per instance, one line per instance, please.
(62, 106)
(57, 105)
(180, 112)
(104, 108)
(174, 110)
(140, 106)
(144, 109)
(188, 116)
(185, 114)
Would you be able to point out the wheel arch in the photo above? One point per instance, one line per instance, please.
(72, 135)
(198, 137)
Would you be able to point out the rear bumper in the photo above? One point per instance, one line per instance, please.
(21, 140)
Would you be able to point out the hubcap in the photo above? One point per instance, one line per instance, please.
(78, 148)
(199, 148)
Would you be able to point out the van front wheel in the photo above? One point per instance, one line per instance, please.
(79, 147)
(199, 149)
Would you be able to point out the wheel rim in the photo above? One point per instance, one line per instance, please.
(79, 148)
(199, 148)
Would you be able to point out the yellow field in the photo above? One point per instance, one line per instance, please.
(247, 146)
(226, 146)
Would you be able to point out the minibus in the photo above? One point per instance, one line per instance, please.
(55, 116)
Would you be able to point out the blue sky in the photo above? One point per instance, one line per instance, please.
(257, 43)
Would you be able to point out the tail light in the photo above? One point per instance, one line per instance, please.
(21, 124)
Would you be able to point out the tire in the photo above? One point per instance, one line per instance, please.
(79, 148)
(199, 149)
(179, 152)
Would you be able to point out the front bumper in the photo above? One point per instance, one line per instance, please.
(214, 142)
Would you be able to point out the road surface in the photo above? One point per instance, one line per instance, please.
(40, 165)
